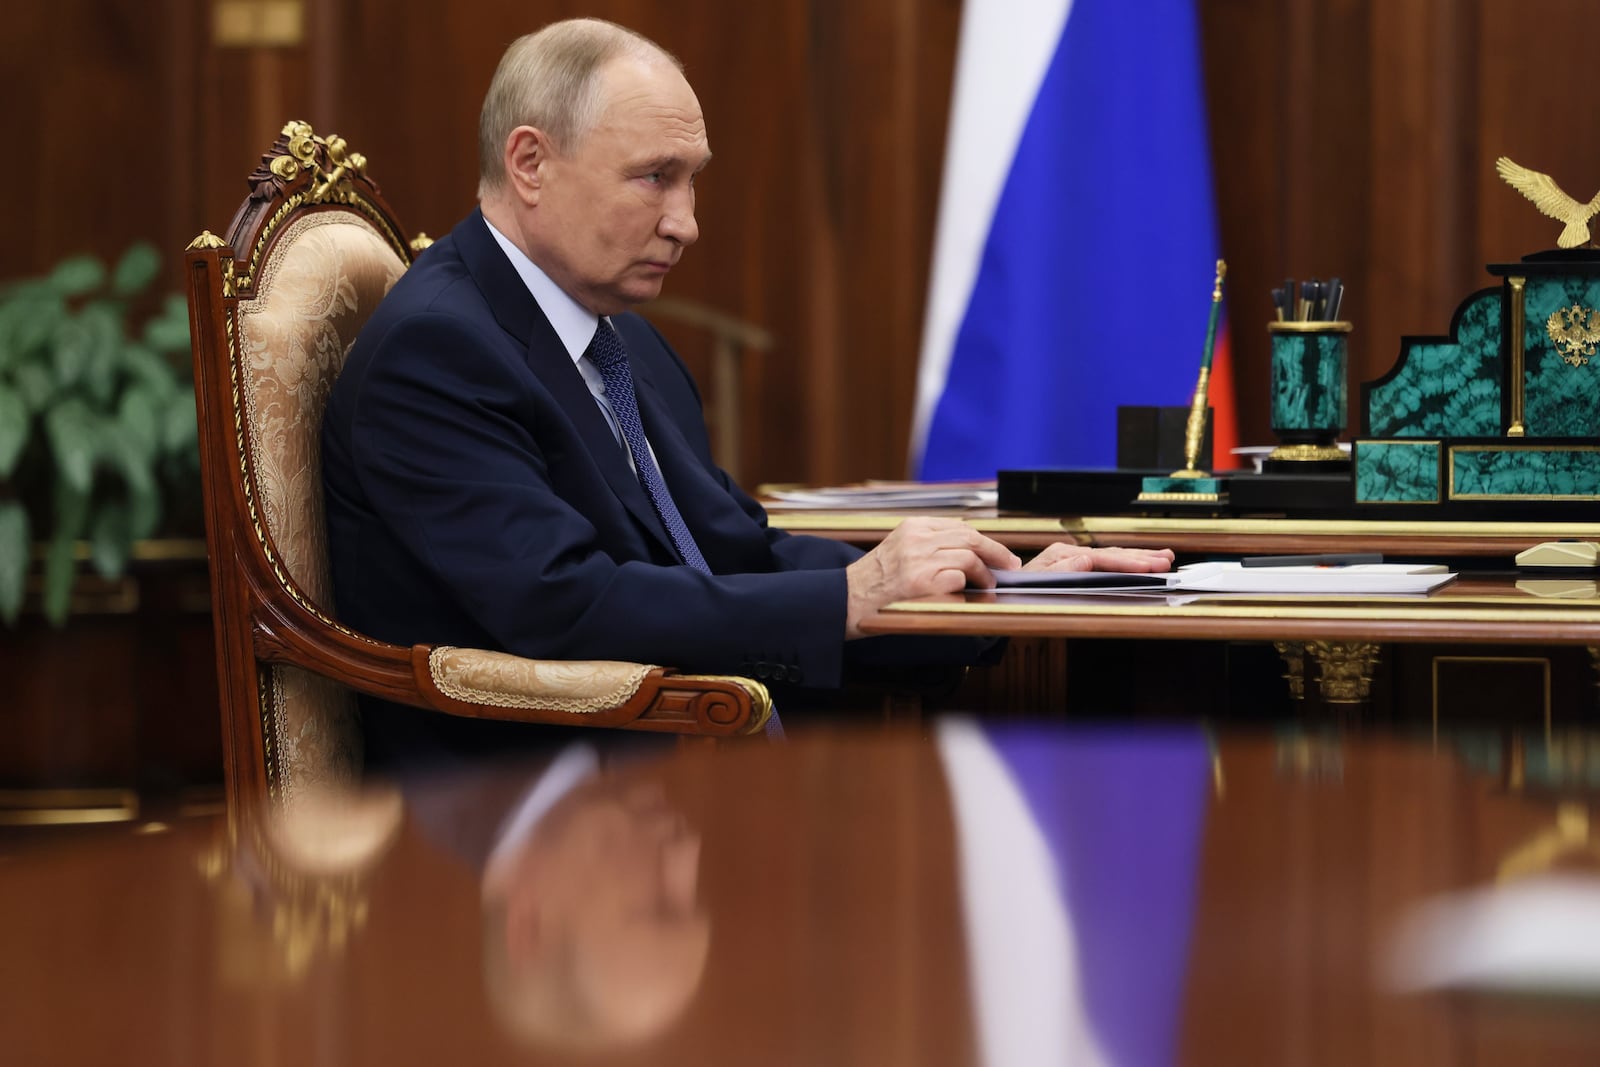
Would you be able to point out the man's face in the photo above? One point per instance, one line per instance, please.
(616, 211)
(604, 938)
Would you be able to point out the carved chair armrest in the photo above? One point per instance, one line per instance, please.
(480, 683)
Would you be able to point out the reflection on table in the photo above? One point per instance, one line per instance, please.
(975, 893)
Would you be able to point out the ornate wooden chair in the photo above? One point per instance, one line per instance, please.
(273, 309)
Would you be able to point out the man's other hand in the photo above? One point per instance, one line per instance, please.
(920, 557)
(1064, 557)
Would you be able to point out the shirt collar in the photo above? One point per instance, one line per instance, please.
(574, 324)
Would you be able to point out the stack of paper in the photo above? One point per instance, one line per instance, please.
(1363, 578)
(877, 496)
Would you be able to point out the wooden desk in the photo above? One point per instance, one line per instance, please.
(1481, 619)
(1488, 609)
(832, 879)
(1343, 637)
(1197, 537)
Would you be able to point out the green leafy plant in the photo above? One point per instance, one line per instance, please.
(97, 422)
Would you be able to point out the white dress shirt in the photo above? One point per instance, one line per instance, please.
(574, 325)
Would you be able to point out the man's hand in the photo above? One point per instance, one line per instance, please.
(920, 557)
(1064, 557)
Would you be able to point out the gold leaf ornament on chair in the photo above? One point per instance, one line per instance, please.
(1549, 198)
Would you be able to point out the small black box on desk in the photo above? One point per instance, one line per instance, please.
(1152, 437)
(1059, 491)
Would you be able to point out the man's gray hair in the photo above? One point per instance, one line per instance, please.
(550, 80)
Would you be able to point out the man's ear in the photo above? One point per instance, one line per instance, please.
(527, 153)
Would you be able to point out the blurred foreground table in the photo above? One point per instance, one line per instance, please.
(1000, 894)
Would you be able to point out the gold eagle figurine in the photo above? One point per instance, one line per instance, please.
(1548, 198)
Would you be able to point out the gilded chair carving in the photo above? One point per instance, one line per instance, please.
(274, 307)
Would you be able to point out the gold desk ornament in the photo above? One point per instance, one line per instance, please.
(1575, 331)
(1549, 198)
(1191, 485)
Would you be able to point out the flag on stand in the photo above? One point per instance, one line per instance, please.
(1077, 238)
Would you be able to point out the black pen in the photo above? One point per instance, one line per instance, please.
(1331, 559)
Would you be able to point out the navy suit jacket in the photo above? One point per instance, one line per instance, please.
(476, 496)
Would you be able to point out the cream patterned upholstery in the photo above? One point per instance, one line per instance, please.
(478, 676)
(321, 282)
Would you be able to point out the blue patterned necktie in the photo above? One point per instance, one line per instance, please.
(610, 358)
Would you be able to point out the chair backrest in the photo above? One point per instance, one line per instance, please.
(275, 309)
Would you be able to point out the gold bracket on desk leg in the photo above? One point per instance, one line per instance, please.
(1294, 659)
(1516, 428)
(1345, 669)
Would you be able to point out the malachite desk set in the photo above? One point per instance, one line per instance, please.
(1499, 418)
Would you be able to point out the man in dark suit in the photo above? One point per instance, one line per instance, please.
(513, 461)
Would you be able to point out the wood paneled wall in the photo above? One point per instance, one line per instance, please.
(1351, 137)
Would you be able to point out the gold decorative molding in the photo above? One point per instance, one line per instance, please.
(1567, 840)
(1575, 330)
(1294, 660)
(1309, 758)
(330, 169)
(1345, 669)
(67, 807)
(292, 885)
(1518, 386)
(1308, 453)
(207, 239)
(328, 160)
(421, 242)
(258, 23)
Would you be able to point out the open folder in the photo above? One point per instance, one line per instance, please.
(1360, 578)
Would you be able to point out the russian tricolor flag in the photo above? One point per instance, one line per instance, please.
(1077, 237)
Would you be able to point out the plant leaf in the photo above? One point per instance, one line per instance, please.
(146, 367)
(60, 572)
(60, 568)
(78, 275)
(36, 322)
(136, 462)
(139, 423)
(169, 331)
(111, 539)
(71, 350)
(136, 269)
(74, 436)
(179, 432)
(35, 385)
(15, 423)
(71, 510)
(14, 544)
(144, 507)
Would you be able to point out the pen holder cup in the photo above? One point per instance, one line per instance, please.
(1310, 362)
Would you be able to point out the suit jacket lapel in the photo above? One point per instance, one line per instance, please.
(519, 315)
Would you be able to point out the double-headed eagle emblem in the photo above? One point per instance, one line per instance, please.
(1548, 198)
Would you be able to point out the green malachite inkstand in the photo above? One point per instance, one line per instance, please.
(1310, 365)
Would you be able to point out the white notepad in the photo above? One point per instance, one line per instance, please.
(1230, 577)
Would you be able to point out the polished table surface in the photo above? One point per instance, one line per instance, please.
(1000, 893)
(1199, 536)
(1483, 608)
